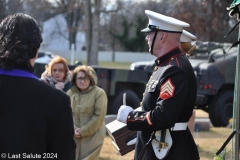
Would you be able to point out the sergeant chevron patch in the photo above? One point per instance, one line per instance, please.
(167, 90)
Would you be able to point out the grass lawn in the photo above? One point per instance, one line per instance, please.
(121, 65)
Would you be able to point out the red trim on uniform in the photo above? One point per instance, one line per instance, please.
(148, 119)
(167, 90)
(136, 119)
(171, 58)
(177, 61)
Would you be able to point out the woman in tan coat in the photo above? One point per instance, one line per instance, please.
(89, 107)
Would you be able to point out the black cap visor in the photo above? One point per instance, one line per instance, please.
(151, 28)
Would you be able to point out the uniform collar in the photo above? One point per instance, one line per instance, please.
(159, 61)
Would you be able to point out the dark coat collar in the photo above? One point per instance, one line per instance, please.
(159, 61)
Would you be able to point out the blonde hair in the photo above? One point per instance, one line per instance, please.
(187, 47)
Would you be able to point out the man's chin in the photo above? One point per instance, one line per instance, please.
(150, 51)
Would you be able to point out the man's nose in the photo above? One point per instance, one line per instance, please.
(146, 38)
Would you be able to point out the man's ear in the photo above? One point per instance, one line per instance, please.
(163, 37)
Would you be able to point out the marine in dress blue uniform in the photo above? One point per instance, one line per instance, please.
(168, 100)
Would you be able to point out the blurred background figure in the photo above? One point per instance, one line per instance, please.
(57, 74)
(89, 106)
(186, 45)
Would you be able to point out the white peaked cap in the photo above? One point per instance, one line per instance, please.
(164, 23)
(187, 37)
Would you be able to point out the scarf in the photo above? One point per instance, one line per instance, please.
(46, 77)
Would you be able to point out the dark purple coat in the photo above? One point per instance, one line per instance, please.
(35, 118)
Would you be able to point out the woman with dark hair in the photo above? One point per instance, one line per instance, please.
(36, 119)
(57, 74)
(20, 39)
(89, 106)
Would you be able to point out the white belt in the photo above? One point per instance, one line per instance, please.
(179, 126)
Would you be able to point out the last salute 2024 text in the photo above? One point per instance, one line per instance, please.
(32, 156)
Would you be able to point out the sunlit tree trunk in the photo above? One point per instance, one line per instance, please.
(88, 28)
(209, 18)
(95, 34)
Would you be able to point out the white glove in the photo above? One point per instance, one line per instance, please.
(132, 142)
(123, 113)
